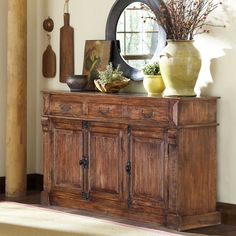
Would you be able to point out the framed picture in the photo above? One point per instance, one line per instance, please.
(97, 55)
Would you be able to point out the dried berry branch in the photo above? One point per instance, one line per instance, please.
(183, 19)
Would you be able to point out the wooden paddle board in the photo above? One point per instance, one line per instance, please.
(66, 49)
(49, 63)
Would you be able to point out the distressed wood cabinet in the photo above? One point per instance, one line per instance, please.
(142, 158)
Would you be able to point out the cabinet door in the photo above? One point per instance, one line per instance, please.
(147, 172)
(107, 159)
(67, 152)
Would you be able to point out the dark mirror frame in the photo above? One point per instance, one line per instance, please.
(111, 26)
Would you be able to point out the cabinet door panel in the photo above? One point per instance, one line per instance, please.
(106, 161)
(67, 153)
(148, 168)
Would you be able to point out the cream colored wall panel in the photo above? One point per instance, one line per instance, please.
(31, 85)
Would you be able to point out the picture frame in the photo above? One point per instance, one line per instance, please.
(97, 55)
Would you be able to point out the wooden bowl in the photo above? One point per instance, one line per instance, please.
(112, 87)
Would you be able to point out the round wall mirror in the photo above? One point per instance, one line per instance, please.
(138, 39)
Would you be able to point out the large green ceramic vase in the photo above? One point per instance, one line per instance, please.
(180, 64)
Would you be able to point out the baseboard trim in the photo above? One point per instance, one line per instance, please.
(2, 185)
(34, 183)
(228, 212)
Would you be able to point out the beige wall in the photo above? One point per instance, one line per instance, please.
(224, 85)
(88, 19)
(31, 86)
(220, 47)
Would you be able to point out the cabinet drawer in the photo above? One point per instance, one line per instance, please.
(66, 108)
(105, 110)
(159, 113)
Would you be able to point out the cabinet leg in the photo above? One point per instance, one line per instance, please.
(181, 223)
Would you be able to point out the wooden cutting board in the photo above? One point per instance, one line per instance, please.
(66, 49)
(49, 63)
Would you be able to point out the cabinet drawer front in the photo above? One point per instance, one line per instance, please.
(159, 114)
(105, 110)
(66, 108)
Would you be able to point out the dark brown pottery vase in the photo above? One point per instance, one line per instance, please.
(77, 83)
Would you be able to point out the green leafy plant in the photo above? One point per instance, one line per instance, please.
(152, 69)
(110, 74)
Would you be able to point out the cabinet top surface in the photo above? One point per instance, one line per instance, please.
(124, 95)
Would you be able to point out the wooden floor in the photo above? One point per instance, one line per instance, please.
(34, 198)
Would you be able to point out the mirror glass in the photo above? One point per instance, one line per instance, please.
(137, 32)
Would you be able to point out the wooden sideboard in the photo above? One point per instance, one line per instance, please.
(143, 158)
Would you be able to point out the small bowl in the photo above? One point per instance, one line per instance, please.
(77, 83)
(112, 87)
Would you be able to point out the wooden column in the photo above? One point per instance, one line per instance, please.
(16, 99)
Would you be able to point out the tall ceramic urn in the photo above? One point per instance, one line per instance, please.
(180, 63)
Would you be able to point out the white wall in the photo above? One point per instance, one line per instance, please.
(88, 19)
(224, 85)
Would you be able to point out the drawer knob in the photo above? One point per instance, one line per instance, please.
(147, 115)
(104, 112)
(65, 108)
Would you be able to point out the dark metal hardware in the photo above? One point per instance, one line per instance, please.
(129, 202)
(128, 168)
(65, 108)
(147, 115)
(84, 162)
(129, 131)
(85, 124)
(85, 195)
(104, 112)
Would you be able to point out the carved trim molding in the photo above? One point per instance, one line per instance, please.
(46, 124)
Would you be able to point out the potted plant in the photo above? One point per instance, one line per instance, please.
(152, 81)
(180, 61)
(111, 80)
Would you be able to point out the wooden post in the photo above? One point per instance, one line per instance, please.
(16, 133)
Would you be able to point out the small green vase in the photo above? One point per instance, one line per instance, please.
(180, 63)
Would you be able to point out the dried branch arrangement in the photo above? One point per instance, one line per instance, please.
(182, 19)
